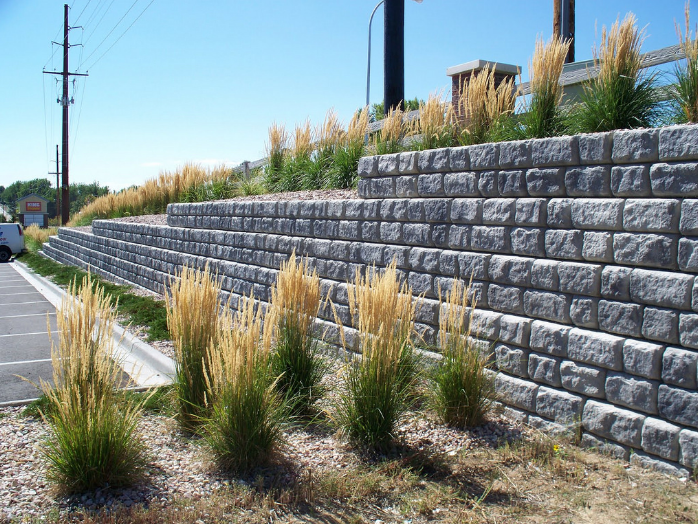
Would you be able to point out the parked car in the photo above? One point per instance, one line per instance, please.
(11, 241)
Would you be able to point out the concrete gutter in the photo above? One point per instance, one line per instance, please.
(143, 363)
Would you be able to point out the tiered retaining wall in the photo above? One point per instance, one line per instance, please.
(581, 251)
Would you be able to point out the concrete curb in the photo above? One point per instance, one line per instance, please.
(145, 364)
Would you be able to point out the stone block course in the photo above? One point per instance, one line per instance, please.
(661, 288)
(512, 183)
(661, 325)
(579, 278)
(434, 161)
(641, 145)
(560, 406)
(613, 423)
(645, 249)
(512, 359)
(461, 184)
(661, 438)
(499, 211)
(678, 405)
(515, 154)
(678, 143)
(599, 349)
(558, 151)
(674, 180)
(632, 392)
(595, 148)
(622, 318)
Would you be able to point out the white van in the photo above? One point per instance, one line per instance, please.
(11, 241)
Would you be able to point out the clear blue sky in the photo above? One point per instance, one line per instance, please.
(202, 81)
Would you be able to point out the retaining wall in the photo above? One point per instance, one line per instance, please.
(581, 251)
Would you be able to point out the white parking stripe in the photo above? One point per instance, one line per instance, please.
(11, 287)
(32, 315)
(22, 303)
(25, 362)
(26, 334)
(30, 293)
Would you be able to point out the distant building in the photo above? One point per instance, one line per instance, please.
(32, 209)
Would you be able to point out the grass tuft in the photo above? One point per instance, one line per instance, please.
(276, 151)
(435, 124)
(387, 141)
(687, 75)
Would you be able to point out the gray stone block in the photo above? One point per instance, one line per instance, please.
(611, 449)
(643, 460)
(549, 338)
(532, 212)
(620, 317)
(422, 259)
(382, 187)
(493, 239)
(513, 360)
(544, 275)
(632, 392)
(516, 392)
(388, 165)
(679, 367)
(678, 143)
(688, 442)
(448, 263)
(515, 154)
(558, 151)
(528, 241)
(579, 278)
(408, 163)
(678, 405)
(688, 330)
(368, 166)
(498, 211)
(363, 188)
(510, 270)
(645, 249)
(613, 423)
(485, 324)
(406, 186)
(597, 246)
(546, 182)
(487, 184)
(651, 216)
(415, 209)
(590, 181)
(584, 312)
(615, 282)
(547, 305)
(416, 234)
(660, 288)
(462, 184)
(484, 156)
(512, 183)
(434, 160)
(587, 380)
(459, 237)
(437, 209)
(595, 148)
(597, 213)
(421, 284)
(398, 254)
(370, 231)
(560, 406)
(631, 181)
(599, 349)
(679, 180)
(508, 299)
(393, 209)
(661, 325)
(560, 212)
(543, 368)
(642, 358)
(565, 244)
(459, 158)
(688, 254)
(515, 330)
(439, 235)
(640, 145)
(661, 438)
(466, 210)
(689, 217)
(473, 265)
(431, 185)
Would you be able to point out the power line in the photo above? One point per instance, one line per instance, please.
(110, 32)
(95, 11)
(81, 12)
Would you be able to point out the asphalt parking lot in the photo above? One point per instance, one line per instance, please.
(25, 347)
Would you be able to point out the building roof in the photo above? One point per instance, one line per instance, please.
(32, 195)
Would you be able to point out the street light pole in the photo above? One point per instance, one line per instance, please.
(368, 72)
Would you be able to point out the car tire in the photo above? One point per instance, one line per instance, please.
(5, 255)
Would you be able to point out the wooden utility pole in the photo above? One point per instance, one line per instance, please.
(563, 24)
(58, 188)
(394, 55)
(65, 102)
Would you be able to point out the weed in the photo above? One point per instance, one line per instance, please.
(158, 400)
(36, 407)
(687, 76)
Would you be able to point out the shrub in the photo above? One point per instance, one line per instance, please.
(378, 385)
(462, 391)
(192, 318)
(93, 438)
(687, 76)
(621, 96)
(295, 361)
(245, 425)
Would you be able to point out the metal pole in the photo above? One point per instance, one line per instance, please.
(368, 70)
(65, 201)
(394, 55)
(58, 188)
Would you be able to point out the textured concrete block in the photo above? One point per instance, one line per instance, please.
(515, 154)
(473, 265)
(597, 246)
(688, 442)
(678, 143)
(439, 235)
(595, 148)
(595, 348)
(579, 278)
(546, 305)
(560, 212)
(408, 163)
(678, 405)
(587, 380)
(591, 181)
(679, 367)
(368, 166)
(437, 209)
(559, 406)
(510, 270)
(528, 241)
(406, 186)
(643, 460)
(498, 211)
(660, 288)
(448, 263)
(620, 317)
(516, 392)
(487, 184)
(565, 244)
(558, 151)
(640, 145)
(679, 180)
(546, 182)
(424, 259)
(466, 210)
(515, 330)
(661, 438)
(431, 185)
(416, 234)
(533, 212)
(632, 392)
(651, 216)
(615, 283)
(545, 369)
(434, 160)
(689, 217)
(611, 449)
(388, 165)
(415, 209)
(508, 299)
(459, 158)
(485, 324)
(642, 358)
(688, 254)
(645, 249)
(462, 184)
(661, 325)
(382, 187)
(421, 283)
(613, 423)
(513, 360)
(393, 209)
(549, 338)
(584, 312)
(688, 330)
(484, 156)
(544, 275)
(494, 239)
(597, 213)
(512, 183)
(631, 181)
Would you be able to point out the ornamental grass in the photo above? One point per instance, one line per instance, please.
(193, 321)
(435, 123)
(93, 440)
(379, 383)
(295, 361)
(387, 140)
(343, 173)
(687, 75)
(276, 151)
